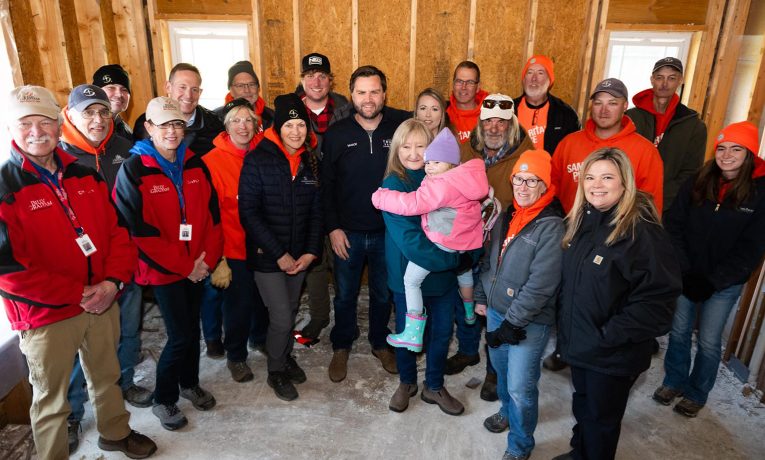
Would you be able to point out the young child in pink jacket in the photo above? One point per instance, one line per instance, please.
(449, 200)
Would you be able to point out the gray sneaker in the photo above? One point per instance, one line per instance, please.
(169, 416)
(201, 399)
(137, 396)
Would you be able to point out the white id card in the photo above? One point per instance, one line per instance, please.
(86, 245)
(185, 232)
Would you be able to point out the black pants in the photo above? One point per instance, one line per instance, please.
(178, 365)
(598, 405)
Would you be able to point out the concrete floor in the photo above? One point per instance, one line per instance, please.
(351, 420)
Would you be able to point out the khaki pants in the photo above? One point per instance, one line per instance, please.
(50, 351)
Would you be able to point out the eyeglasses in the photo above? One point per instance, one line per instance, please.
(530, 183)
(491, 103)
(468, 83)
(241, 86)
(171, 125)
(90, 114)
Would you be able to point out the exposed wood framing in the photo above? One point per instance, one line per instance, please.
(724, 68)
(91, 35)
(158, 48)
(656, 27)
(758, 94)
(74, 48)
(355, 33)
(595, 34)
(110, 35)
(296, 37)
(531, 30)
(715, 12)
(733, 347)
(471, 28)
(202, 17)
(52, 47)
(129, 24)
(413, 51)
(6, 25)
(253, 28)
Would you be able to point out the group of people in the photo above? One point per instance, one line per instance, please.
(612, 235)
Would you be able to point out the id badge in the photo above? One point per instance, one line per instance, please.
(86, 245)
(185, 232)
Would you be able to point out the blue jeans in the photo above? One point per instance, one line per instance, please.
(438, 331)
(211, 311)
(518, 370)
(713, 313)
(129, 349)
(178, 365)
(369, 247)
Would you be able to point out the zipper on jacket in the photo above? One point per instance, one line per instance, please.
(717, 207)
(370, 141)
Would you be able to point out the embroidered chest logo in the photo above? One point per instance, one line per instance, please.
(597, 260)
(192, 181)
(42, 203)
(386, 143)
(83, 192)
(159, 189)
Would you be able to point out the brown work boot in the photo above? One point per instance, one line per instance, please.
(665, 395)
(458, 362)
(688, 408)
(400, 400)
(134, 445)
(445, 401)
(489, 388)
(240, 371)
(338, 367)
(387, 358)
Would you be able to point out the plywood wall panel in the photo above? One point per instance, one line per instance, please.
(442, 43)
(657, 11)
(326, 28)
(500, 55)
(26, 43)
(278, 49)
(204, 7)
(384, 42)
(559, 36)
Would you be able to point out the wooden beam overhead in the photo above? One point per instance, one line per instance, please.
(707, 47)
(724, 68)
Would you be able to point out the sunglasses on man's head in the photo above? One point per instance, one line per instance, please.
(491, 103)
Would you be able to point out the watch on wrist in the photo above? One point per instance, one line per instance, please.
(120, 285)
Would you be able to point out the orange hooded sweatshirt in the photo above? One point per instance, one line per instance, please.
(574, 148)
(465, 120)
(225, 164)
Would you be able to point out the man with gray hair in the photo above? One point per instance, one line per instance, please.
(498, 140)
(89, 134)
(63, 259)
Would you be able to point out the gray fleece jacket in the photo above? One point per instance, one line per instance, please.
(525, 285)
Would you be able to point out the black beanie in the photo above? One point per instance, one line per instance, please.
(289, 107)
(111, 74)
(239, 67)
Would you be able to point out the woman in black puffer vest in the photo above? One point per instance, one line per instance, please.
(280, 210)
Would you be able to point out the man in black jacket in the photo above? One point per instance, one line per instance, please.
(355, 153)
(674, 129)
(202, 126)
(546, 118)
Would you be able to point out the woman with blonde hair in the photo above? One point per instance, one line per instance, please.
(619, 283)
(430, 108)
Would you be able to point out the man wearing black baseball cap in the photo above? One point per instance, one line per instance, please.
(325, 107)
(676, 130)
(114, 80)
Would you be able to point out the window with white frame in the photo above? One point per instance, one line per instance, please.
(213, 47)
(631, 55)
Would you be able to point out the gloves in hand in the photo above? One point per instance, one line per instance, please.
(221, 277)
(697, 288)
(506, 333)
